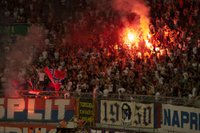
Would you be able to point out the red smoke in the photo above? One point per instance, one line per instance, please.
(135, 18)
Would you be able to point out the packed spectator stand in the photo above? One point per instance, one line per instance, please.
(79, 40)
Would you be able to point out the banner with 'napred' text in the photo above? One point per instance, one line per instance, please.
(180, 119)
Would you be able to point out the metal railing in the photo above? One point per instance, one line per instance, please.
(122, 97)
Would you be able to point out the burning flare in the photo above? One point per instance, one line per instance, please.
(136, 37)
(130, 38)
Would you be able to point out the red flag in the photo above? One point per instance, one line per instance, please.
(48, 72)
(59, 74)
(50, 75)
(57, 86)
(181, 3)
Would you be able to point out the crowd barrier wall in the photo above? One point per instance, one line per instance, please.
(129, 114)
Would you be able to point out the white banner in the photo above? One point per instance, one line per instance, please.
(180, 119)
(143, 115)
(111, 112)
(127, 114)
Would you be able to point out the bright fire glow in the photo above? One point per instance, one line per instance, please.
(149, 45)
(130, 38)
(137, 38)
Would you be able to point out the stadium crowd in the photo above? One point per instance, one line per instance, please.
(80, 36)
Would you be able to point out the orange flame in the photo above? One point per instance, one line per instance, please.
(134, 34)
(129, 37)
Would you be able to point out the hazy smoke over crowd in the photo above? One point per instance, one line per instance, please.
(20, 56)
(131, 6)
(139, 11)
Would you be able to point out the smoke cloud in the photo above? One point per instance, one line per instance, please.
(19, 57)
(138, 9)
(131, 6)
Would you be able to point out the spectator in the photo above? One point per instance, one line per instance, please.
(39, 130)
(31, 130)
(81, 42)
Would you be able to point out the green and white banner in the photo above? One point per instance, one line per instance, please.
(14, 29)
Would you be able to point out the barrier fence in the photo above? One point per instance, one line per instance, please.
(96, 113)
